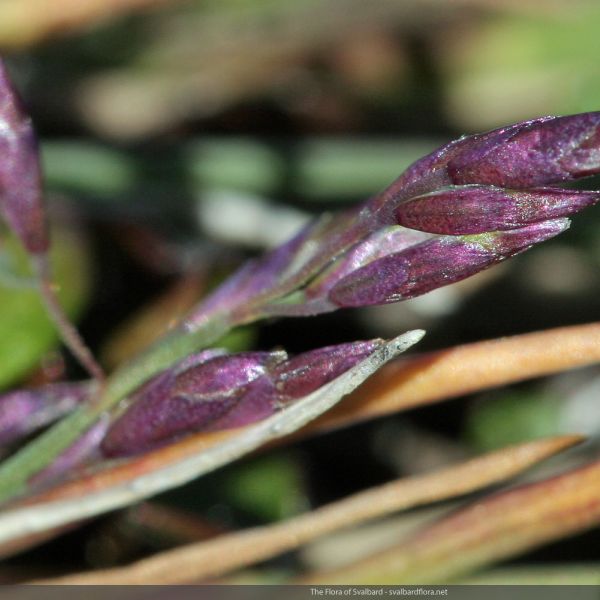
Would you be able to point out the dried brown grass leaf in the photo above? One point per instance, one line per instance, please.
(489, 530)
(460, 370)
(204, 560)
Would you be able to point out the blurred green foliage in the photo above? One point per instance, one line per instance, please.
(512, 417)
(26, 333)
(511, 67)
(269, 488)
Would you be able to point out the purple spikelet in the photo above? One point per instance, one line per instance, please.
(533, 153)
(478, 184)
(224, 392)
(539, 152)
(435, 263)
(307, 372)
(469, 209)
(188, 399)
(24, 411)
(20, 179)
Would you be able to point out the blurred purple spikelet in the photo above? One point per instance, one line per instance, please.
(224, 392)
(22, 207)
(24, 411)
(21, 202)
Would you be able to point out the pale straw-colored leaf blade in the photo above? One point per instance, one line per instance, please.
(485, 532)
(220, 556)
(464, 369)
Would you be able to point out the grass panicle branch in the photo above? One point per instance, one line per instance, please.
(471, 204)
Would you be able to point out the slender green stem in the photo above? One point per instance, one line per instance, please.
(67, 330)
(16, 471)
